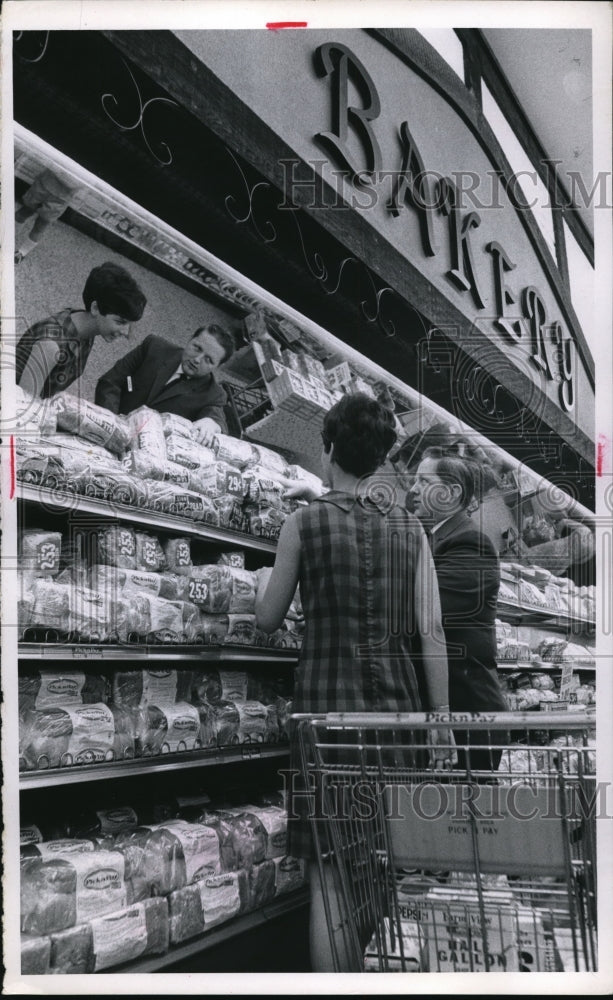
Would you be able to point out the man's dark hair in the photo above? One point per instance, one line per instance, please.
(361, 431)
(223, 337)
(115, 291)
(456, 471)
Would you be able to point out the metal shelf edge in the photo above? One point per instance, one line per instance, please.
(121, 512)
(77, 653)
(139, 766)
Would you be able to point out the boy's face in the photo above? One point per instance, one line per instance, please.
(201, 355)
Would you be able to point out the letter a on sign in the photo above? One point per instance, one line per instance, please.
(337, 61)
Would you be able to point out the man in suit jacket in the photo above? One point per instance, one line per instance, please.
(172, 379)
(468, 573)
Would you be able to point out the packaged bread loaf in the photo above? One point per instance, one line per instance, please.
(62, 892)
(124, 738)
(113, 581)
(35, 955)
(51, 604)
(146, 466)
(94, 423)
(273, 819)
(62, 736)
(244, 587)
(248, 836)
(213, 628)
(217, 479)
(50, 688)
(149, 554)
(188, 452)
(159, 620)
(72, 951)
(226, 721)
(235, 558)
(177, 552)
(223, 896)
(40, 551)
(89, 615)
(48, 850)
(213, 685)
(171, 498)
(252, 721)
(191, 622)
(146, 432)
(290, 874)
(230, 510)
(150, 727)
(264, 521)
(174, 854)
(172, 423)
(234, 451)
(138, 930)
(117, 546)
(185, 916)
(263, 489)
(274, 462)
(241, 630)
(210, 587)
(261, 884)
(116, 486)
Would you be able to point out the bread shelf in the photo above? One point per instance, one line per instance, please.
(242, 924)
(136, 766)
(518, 614)
(121, 654)
(110, 511)
(540, 668)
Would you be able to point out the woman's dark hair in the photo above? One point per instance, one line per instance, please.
(456, 471)
(115, 291)
(361, 432)
(221, 335)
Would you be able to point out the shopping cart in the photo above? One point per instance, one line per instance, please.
(489, 869)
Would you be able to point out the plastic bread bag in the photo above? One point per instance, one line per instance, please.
(114, 485)
(244, 587)
(128, 688)
(146, 433)
(261, 488)
(264, 522)
(249, 837)
(223, 896)
(208, 725)
(206, 686)
(35, 954)
(145, 465)
(48, 896)
(117, 546)
(131, 933)
(174, 587)
(234, 451)
(89, 615)
(230, 510)
(149, 553)
(188, 452)
(234, 558)
(210, 587)
(51, 604)
(252, 725)
(273, 819)
(241, 630)
(92, 422)
(40, 551)
(72, 951)
(160, 621)
(190, 633)
(172, 423)
(113, 581)
(274, 462)
(217, 479)
(226, 722)
(50, 688)
(290, 874)
(262, 887)
(150, 728)
(213, 628)
(137, 688)
(177, 552)
(186, 918)
(124, 740)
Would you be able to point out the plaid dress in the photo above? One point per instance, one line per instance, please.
(357, 569)
(72, 351)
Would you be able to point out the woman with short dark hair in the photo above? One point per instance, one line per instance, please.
(53, 353)
(359, 559)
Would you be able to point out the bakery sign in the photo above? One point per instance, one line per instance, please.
(521, 316)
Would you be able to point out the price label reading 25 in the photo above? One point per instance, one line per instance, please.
(198, 590)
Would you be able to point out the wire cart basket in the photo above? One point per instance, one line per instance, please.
(489, 866)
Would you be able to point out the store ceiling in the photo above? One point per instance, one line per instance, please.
(550, 72)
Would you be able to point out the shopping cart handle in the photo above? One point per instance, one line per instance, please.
(576, 719)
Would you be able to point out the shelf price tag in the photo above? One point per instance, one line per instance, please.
(87, 652)
(251, 750)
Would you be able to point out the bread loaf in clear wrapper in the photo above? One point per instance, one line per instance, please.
(217, 479)
(35, 955)
(210, 587)
(261, 884)
(188, 452)
(146, 433)
(136, 931)
(230, 510)
(117, 547)
(172, 423)
(94, 423)
(40, 551)
(213, 628)
(149, 553)
(244, 588)
(72, 951)
(234, 451)
(34, 415)
(177, 552)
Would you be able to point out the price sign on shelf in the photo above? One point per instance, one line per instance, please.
(86, 652)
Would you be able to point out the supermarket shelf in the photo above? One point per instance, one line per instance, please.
(279, 907)
(519, 666)
(112, 511)
(139, 766)
(141, 654)
(525, 615)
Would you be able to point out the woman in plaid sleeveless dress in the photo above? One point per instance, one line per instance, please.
(368, 592)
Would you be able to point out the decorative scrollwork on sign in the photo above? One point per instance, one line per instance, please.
(250, 215)
(139, 123)
(19, 37)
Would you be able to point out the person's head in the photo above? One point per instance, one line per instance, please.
(209, 347)
(444, 484)
(357, 434)
(114, 300)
